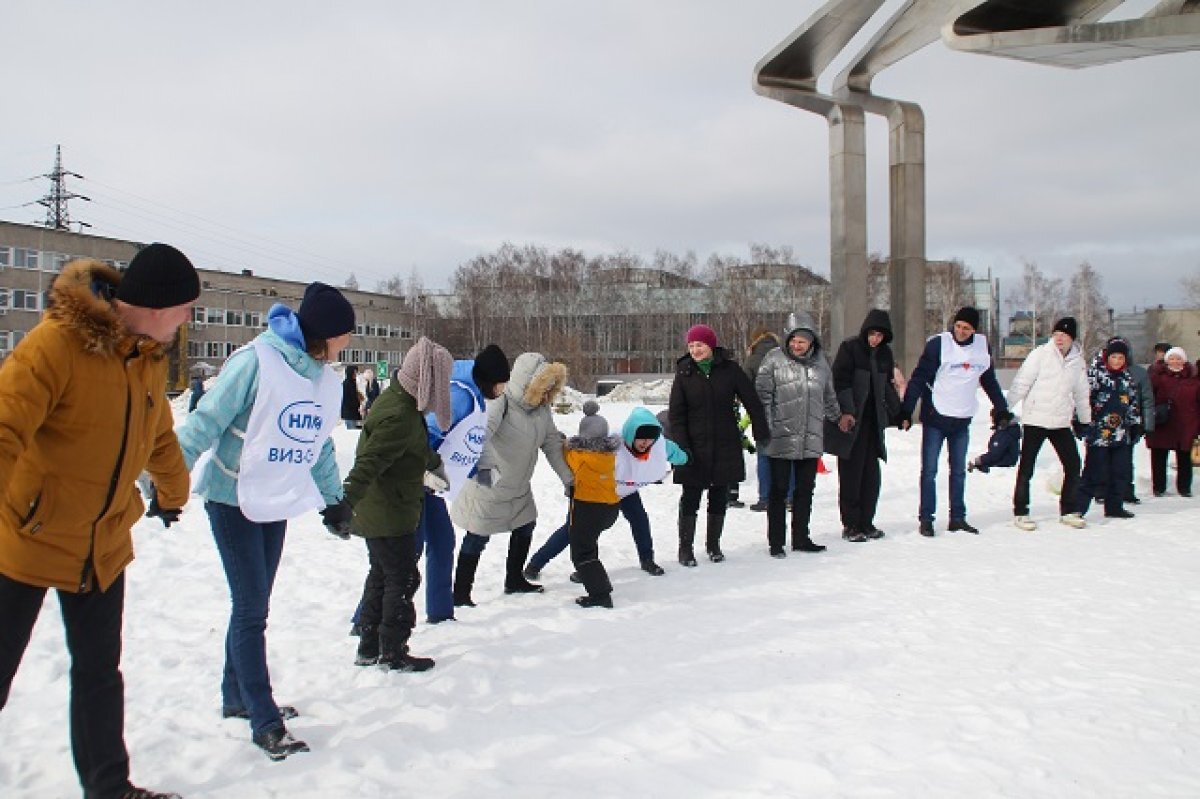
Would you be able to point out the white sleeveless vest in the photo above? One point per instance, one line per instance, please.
(956, 385)
(291, 418)
(463, 444)
(633, 473)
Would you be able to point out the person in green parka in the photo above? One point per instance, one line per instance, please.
(393, 467)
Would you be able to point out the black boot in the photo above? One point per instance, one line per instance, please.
(716, 523)
(687, 538)
(368, 646)
(278, 743)
(464, 579)
(396, 657)
(518, 552)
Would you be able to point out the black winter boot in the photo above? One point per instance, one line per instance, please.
(716, 523)
(687, 538)
(518, 552)
(368, 646)
(594, 577)
(278, 743)
(464, 579)
(404, 661)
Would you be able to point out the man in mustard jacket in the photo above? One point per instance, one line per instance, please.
(83, 411)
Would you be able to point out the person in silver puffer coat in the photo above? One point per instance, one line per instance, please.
(795, 385)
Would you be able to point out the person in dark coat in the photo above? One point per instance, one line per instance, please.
(393, 466)
(1003, 450)
(372, 391)
(863, 372)
(703, 422)
(1174, 381)
(351, 399)
(1116, 425)
(197, 388)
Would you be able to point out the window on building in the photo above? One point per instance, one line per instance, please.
(254, 319)
(5, 256)
(214, 349)
(57, 260)
(198, 313)
(215, 316)
(4, 298)
(24, 258)
(23, 299)
(234, 318)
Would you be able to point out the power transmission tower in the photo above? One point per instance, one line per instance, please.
(57, 215)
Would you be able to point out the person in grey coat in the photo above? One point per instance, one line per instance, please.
(499, 497)
(795, 385)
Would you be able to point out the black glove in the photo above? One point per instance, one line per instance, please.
(1001, 418)
(168, 515)
(337, 519)
(1135, 433)
(1079, 428)
(484, 477)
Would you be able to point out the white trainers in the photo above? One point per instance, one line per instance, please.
(1024, 523)
(1073, 520)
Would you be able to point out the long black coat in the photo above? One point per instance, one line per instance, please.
(862, 373)
(703, 420)
(351, 399)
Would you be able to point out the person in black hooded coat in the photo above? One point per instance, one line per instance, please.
(862, 377)
(703, 422)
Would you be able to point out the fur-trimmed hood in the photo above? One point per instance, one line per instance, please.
(535, 381)
(81, 299)
(609, 443)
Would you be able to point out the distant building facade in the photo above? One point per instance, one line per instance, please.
(231, 310)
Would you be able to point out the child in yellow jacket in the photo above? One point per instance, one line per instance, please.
(592, 458)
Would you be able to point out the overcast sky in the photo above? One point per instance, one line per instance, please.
(311, 140)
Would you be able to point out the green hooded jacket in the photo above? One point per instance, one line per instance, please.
(386, 485)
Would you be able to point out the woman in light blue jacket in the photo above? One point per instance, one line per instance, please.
(256, 474)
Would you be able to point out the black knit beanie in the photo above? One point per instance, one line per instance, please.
(159, 276)
(1067, 325)
(491, 367)
(969, 315)
(324, 313)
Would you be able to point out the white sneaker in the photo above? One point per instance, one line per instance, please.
(1073, 520)
(1024, 523)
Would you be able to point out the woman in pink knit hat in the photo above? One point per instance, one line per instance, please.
(703, 421)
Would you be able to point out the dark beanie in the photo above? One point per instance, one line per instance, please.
(1115, 346)
(491, 367)
(651, 431)
(1067, 325)
(324, 313)
(702, 333)
(159, 276)
(969, 315)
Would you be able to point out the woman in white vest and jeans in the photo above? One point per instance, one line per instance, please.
(267, 421)
(948, 376)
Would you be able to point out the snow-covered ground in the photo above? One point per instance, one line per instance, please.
(1058, 663)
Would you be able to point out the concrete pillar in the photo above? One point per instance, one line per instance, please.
(906, 276)
(848, 220)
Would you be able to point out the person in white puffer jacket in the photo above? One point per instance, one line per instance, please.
(1052, 387)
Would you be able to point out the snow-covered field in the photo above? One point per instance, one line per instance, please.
(1058, 663)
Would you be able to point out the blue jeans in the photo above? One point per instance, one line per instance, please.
(435, 536)
(639, 524)
(956, 441)
(250, 553)
(764, 479)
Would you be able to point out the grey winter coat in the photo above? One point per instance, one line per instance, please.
(519, 423)
(797, 395)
